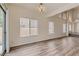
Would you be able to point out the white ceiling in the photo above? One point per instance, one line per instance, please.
(50, 8)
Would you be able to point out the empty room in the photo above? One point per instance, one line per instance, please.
(39, 29)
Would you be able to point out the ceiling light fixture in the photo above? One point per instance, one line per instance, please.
(41, 8)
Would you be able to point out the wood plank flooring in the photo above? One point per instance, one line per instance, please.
(68, 46)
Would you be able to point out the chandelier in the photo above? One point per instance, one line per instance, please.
(68, 15)
(41, 8)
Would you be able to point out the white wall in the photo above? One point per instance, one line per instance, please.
(16, 12)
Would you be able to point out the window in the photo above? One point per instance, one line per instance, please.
(78, 27)
(2, 29)
(70, 27)
(1, 24)
(51, 27)
(24, 27)
(28, 27)
(73, 27)
(64, 28)
(33, 27)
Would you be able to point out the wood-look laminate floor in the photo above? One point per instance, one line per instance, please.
(68, 46)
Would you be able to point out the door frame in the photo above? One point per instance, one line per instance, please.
(4, 32)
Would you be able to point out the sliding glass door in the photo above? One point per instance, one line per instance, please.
(2, 31)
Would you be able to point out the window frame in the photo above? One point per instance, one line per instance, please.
(64, 27)
(52, 31)
(30, 27)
